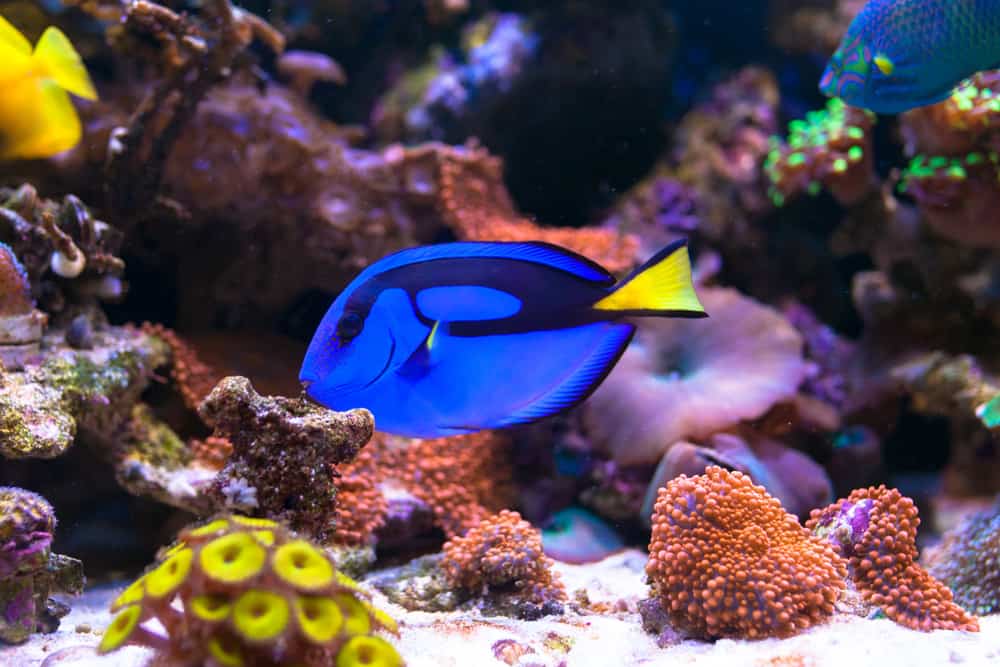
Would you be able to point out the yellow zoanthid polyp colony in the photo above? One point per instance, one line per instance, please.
(242, 592)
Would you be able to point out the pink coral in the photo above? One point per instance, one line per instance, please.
(689, 379)
(726, 560)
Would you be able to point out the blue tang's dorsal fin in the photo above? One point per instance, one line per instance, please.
(530, 251)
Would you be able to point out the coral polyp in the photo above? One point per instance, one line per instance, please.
(238, 591)
(726, 560)
(875, 529)
(831, 148)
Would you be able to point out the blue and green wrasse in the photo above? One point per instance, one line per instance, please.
(458, 337)
(902, 54)
(37, 118)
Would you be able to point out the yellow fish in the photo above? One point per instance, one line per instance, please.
(37, 118)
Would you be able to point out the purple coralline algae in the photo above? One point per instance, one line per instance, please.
(29, 571)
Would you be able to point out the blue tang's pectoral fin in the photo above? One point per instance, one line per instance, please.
(420, 362)
(494, 381)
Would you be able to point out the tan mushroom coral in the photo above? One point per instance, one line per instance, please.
(687, 379)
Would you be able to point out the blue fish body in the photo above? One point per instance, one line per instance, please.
(459, 337)
(902, 54)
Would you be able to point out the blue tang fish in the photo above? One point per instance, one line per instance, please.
(902, 54)
(454, 338)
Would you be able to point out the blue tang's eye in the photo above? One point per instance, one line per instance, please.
(349, 326)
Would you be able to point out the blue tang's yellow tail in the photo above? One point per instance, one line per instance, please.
(662, 285)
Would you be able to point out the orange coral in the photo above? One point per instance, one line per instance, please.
(213, 450)
(476, 205)
(461, 478)
(726, 560)
(876, 529)
(503, 550)
(193, 377)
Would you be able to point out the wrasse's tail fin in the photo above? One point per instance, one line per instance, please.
(62, 64)
(661, 286)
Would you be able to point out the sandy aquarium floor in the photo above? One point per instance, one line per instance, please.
(457, 640)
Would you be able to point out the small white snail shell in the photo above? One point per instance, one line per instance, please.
(66, 268)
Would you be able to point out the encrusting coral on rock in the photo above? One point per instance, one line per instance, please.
(29, 571)
(476, 205)
(453, 482)
(284, 451)
(236, 591)
(726, 560)
(192, 377)
(86, 394)
(967, 561)
(503, 557)
(875, 529)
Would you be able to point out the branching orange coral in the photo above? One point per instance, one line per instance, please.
(461, 478)
(875, 529)
(726, 560)
(476, 205)
(503, 550)
(193, 378)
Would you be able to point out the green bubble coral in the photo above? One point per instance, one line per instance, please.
(829, 148)
(239, 592)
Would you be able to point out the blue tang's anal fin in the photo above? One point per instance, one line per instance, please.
(582, 381)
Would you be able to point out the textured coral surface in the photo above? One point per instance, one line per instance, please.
(875, 529)
(725, 560)
(504, 552)
(283, 455)
(461, 479)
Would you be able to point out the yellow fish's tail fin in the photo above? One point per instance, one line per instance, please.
(60, 62)
(661, 286)
(15, 52)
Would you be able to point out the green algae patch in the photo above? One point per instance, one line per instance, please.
(44, 407)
